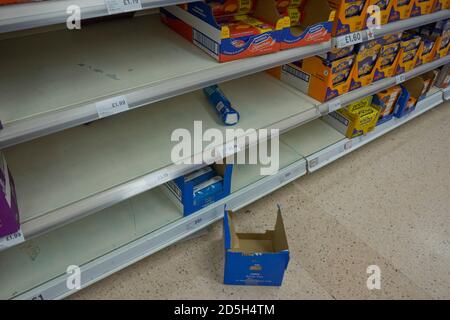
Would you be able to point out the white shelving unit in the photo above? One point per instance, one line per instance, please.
(90, 195)
(88, 168)
(138, 227)
(38, 14)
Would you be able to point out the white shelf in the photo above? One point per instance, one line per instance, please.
(118, 236)
(394, 27)
(68, 175)
(97, 183)
(38, 14)
(323, 156)
(140, 58)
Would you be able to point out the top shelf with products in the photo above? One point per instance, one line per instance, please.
(35, 14)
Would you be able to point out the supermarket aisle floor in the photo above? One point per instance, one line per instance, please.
(386, 204)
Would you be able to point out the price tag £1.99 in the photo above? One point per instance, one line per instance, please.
(11, 240)
(111, 106)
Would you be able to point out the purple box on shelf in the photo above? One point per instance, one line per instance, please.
(9, 211)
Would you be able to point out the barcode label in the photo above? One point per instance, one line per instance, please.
(205, 42)
(296, 73)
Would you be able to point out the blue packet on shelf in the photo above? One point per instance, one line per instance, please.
(206, 189)
(217, 99)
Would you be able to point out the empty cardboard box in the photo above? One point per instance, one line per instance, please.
(256, 259)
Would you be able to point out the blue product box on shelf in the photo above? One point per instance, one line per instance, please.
(256, 259)
(201, 188)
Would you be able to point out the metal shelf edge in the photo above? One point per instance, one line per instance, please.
(157, 240)
(400, 25)
(24, 16)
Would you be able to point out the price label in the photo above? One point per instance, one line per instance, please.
(349, 39)
(11, 240)
(158, 178)
(111, 106)
(120, 6)
(400, 78)
(334, 105)
(227, 150)
(313, 162)
(348, 145)
(285, 177)
(370, 34)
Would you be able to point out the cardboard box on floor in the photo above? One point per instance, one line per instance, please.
(257, 259)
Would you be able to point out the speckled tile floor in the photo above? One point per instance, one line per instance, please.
(386, 204)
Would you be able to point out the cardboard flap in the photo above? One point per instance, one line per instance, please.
(280, 242)
(229, 232)
(415, 87)
(316, 11)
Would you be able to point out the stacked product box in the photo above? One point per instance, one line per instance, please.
(255, 259)
(359, 118)
(350, 15)
(443, 77)
(200, 188)
(386, 101)
(321, 77)
(9, 211)
(389, 56)
(235, 29)
(411, 47)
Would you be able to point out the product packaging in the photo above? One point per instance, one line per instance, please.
(319, 78)
(401, 10)
(9, 211)
(356, 119)
(201, 188)
(386, 101)
(222, 105)
(350, 16)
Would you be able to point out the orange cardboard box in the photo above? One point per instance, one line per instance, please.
(401, 10)
(350, 15)
(319, 78)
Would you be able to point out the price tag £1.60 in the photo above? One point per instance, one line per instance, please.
(349, 39)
